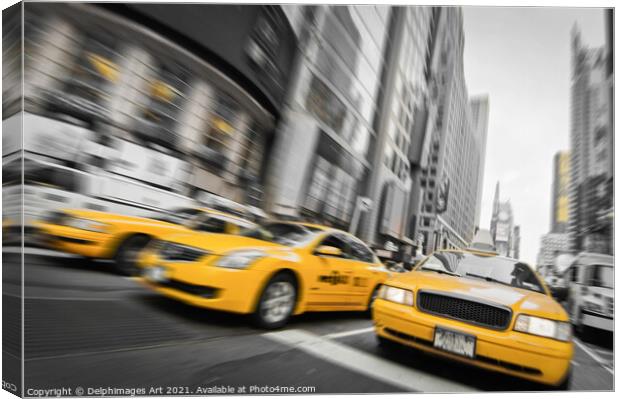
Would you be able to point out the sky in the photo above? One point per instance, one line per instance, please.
(520, 57)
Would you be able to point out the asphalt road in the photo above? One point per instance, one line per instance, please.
(88, 328)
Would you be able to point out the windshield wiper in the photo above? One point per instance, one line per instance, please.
(441, 271)
(489, 279)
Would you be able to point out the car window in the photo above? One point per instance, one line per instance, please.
(493, 269)
(289, 234)
(359, 251)
(600, 276)
(337, 241)
(573, 273)
(211, 225)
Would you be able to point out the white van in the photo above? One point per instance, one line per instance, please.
(590, 291)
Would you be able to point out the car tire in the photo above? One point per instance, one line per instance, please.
(386, 344)
(578, 323)
(277, 302)
(566, 384)
(127, 254)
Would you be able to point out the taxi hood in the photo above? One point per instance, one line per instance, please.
(518, 299)
(219, 244)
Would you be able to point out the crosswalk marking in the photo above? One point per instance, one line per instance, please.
(343, 334)
(367, 364)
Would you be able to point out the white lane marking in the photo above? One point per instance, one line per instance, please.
(38, 251)
(349, 333)
(108, 351)
(593, 355)
(49, 298)
(366, 364)
(603, 352)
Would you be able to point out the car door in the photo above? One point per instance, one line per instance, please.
(329, 288)
(367, 273)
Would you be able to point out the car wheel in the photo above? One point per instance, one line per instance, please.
(386, 344)
(277, 302)
(126, 258)
(578, 322)
(566, 384)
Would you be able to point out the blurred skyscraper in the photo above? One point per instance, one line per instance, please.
(516, 242)
(480, 123)
(395, 148)
(451, 181)
(551, 246)
(506, 236)
(559, 193)
(320, 156)
(591, 163)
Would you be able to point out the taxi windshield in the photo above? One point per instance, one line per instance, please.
(493, 269)
(183, 216)
(289, 234)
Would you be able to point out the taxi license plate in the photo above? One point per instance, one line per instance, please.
(156, 274)
(455, 342)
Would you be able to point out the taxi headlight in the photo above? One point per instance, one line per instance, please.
(559, 330)
(396, 295)
(85, 224)
(239, 259)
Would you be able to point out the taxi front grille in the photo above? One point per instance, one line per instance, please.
(180, 253)
(200, 290)
(465, 310)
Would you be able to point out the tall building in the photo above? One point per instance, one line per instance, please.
(495, 211)
(480, 121)
(559, 192)
(402, 107)
(503, 229)
(551, 246)
(516, 242)
(321, 154)
(452, 178)
(591, 138)
(171, 109)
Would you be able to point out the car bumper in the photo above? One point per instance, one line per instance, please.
(209, 287)
(596, 320)
(76, 241)
(521, 355)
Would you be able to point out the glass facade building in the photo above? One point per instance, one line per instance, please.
(196, 124)
(321, 150)
(403, 103)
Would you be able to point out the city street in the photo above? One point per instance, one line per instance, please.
(88, 327)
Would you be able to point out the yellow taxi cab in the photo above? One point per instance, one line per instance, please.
(272, 272)
(478, 308)
(105, 235)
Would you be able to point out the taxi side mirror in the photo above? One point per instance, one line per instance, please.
(326, 250)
